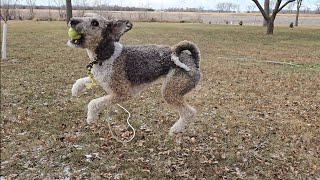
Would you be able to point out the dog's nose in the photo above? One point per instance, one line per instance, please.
(74, 22)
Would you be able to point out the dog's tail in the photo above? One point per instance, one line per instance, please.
(185, 45)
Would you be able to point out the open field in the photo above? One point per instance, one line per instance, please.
(256, 120)
(214, 18)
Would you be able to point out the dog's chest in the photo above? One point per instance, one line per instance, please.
(102, 73)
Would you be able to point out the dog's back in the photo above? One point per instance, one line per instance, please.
(144, 64)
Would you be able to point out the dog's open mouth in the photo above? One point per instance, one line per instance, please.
(77, 42)
(76, 38)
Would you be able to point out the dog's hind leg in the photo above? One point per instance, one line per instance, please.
(175, 86)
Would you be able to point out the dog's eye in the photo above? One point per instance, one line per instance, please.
(94, 23)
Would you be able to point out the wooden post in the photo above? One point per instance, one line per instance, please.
(4, 41)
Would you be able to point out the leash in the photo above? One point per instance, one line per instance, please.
(115, 137)
(94, 83)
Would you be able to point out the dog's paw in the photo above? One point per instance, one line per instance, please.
(75, 90)
(74, 93)
(93, 114)
(176, 128)
(91, 119)
(79, 86)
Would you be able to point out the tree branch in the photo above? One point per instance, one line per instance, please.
(284, 5)
(276, 9)
(3, 18)
(299, 3)
(264, 14)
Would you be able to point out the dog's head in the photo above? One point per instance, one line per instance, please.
(94, 28)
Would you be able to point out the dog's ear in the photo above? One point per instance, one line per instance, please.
(119, 27)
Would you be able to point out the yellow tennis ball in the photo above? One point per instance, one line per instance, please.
(73, 34)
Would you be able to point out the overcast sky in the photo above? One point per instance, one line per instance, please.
(159, 4)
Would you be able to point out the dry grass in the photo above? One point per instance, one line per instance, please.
(256, 120)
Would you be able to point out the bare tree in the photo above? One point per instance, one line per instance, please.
(84, 5)
(236, 7)
(305, 9)
(299, 3)
(81, 6)
(96, 6)
(76, 5)
(290, 7)
(9, 10)
(181, 2)
(318, 6)
(49, 8)
(227, 7)
(270, 19)
(31, 4)
(251, 8)
(60, 5)
(220, 7)
(267, 10)
(69, 10)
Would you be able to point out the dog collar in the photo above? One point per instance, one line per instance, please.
(92, 79)
(90, 65)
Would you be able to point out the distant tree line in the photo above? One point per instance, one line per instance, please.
(174, 9)
(227, 7)
(234, 8)
(79, 7)
(200, 9)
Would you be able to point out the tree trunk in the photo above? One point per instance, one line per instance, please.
(270, 27)
(298, 12)
(297, 18)
(267, 10)
(69, 10)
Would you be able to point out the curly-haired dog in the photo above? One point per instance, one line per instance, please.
(125, 70)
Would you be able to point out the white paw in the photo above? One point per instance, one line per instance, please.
(91, 119)
(75, 90)
(79, 86)
(178, 127)
(92, 112)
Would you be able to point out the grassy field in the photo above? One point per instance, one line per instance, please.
(256, 119)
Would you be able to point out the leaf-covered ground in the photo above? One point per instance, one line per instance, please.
(256, 119)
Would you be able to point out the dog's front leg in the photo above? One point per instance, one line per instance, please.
(97, 105)
(79, 85)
